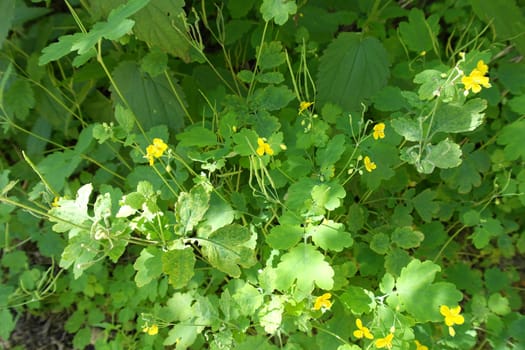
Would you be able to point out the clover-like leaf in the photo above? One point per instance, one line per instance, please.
(511, 136)
(304, 267)
(418, 33)
(278, 10)
(148, 266)
(330, 235)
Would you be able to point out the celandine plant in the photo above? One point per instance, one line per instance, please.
(217, 194)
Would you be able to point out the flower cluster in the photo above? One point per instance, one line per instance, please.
(364, 332)
(151, 330)
(476, 79)
(155, 150)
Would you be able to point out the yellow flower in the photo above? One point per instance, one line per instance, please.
(55, 202)
(323, 302)
(304, 105)
(379, 131)
(476, 79)
(452, 317)
(362, 331)
(151, 330)
(385, 342)
(155, 150)
(369, 165)
(263, 147)
(419, 346)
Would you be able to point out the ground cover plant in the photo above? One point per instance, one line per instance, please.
(262, 174)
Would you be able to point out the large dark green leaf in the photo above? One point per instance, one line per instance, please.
(158, 24)
(352, 70)
(151, 99)
(8, 9)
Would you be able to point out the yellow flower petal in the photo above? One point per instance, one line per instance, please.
(362, 331)
(263, 147)
(385, 342)
(369, 165)
(420, 346)
(304, 105)
(482, 67)
(323, 302)
(379, 131)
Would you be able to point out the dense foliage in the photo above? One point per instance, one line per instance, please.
(264, 174)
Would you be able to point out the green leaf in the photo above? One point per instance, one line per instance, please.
(8, 323)
(406, 237)
(81, 253)
(431, 82)
(512, 77)
(395, 260)
(380, 243)
(271, 314)
(303, 267)
(245, 142)
(358, 300)
(408, 128)
(419, 296)
(124, 117)
(272, 55)
(488, 229)
(7, 9)
(149, 266)
(191, 207)
(178, 264)
(499, 304)
(424, 204)
(151, 100)
(271, 98)
(328, 195)
(330, 235)
(511, 136)
(469, 173)
(198, 136)
(506, 17)
(420, 34)
(352, 69)
(278, 10)
(155, 62)
(284, 237)
(72, 214)
(248, 298)
(229, 247)
(446, 154)
(332, 152)
(454, 119)
(114, 28)
(161, 24)
(239, 9)
(19, 99)
(270, 78)
(465, 277)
